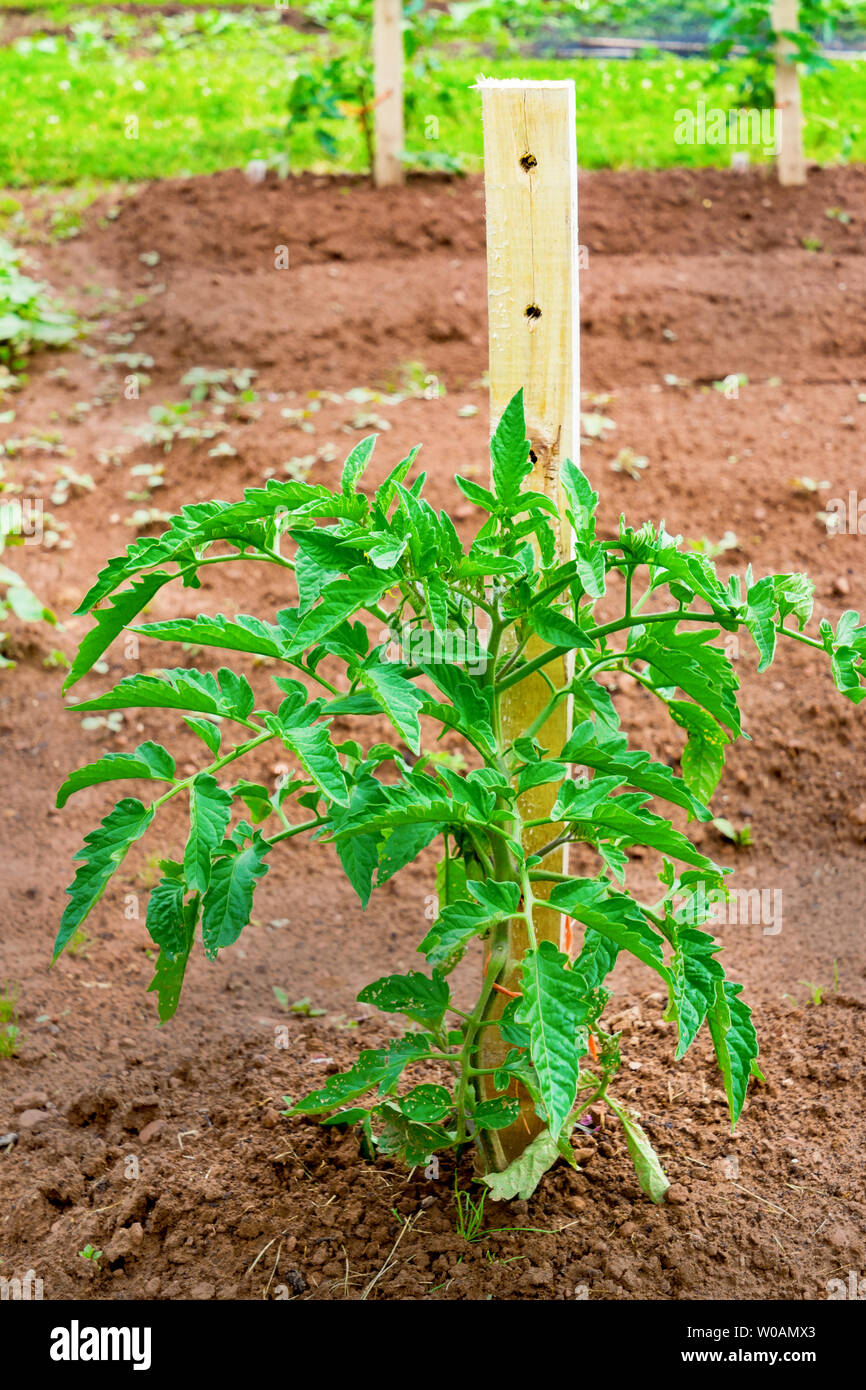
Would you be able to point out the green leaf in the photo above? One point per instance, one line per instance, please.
(688, 660)
(498, 1113)
(611, 756)
(481, 496)
(452, 931)
(582, 501)
(760, 619)
(554, 1004)
(420, 998)
(356, 463)
(590, 566)
(24, 603)
(413, 1142)
(341, 600)
(103, 850)
(228, 902)
(427, 1104)
(509, 450)
(703, 757)
(149, 760)
(615, 916)
(846, 648)
(380, 1067)
(209, 810)
(592, 699)
(225, 694)
(523, 1174)
(392, 689)
(359, 857)
(622, 818)
(401, 846)
(208, 732)
(650, 1173)
(171, 923)
(555, 627)
(317, 755)
(501, 900)
(597, 958)
(736, 1043)
(694, 979)
(111, 620)
(240, 634)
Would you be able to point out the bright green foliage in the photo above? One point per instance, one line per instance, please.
(27, 317)
(386, 629)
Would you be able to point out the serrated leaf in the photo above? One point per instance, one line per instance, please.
(452, 931)
(735, 1041)
(414, 1142)
(615, 916)
(401, 846)
(171, 923)
(509, 450)
(242, 633)
(690, 661)
(694, 978)
(611, 755)
(553, 1006)
(760, 619)
(419, 997)
(341, 600)
(102, 852)
(376, 1067)
(355, 464)
(228, 902)
(209, 810)
(110, 622)
(225, 694)
(596, 959)
(398, 697)
(359, 858)
(149, 760)
(317, 755)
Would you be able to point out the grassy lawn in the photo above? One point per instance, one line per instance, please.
(213, 96)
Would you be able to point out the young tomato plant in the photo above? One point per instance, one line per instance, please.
(385, 629)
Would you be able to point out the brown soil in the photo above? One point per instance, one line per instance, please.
(164, 1147)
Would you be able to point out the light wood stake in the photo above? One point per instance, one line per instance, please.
(530, 175)
(388, 96)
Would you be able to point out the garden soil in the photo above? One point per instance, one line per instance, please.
(165, 1147)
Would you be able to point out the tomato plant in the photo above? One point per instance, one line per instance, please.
(384, 628)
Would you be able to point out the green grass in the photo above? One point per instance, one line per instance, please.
(217, 99)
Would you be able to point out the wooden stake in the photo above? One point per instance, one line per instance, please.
(530, 176)
(790, 160)
(388, 83)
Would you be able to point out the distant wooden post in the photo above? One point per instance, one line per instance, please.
(790, 161)
(530, 176)
(388, 96)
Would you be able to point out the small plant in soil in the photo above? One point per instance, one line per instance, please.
(10, 1033)
(386, 629)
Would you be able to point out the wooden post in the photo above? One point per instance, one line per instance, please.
(530, 176)
(388, 95)
(790, 161)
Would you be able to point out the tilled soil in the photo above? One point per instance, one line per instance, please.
(165, 1148)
